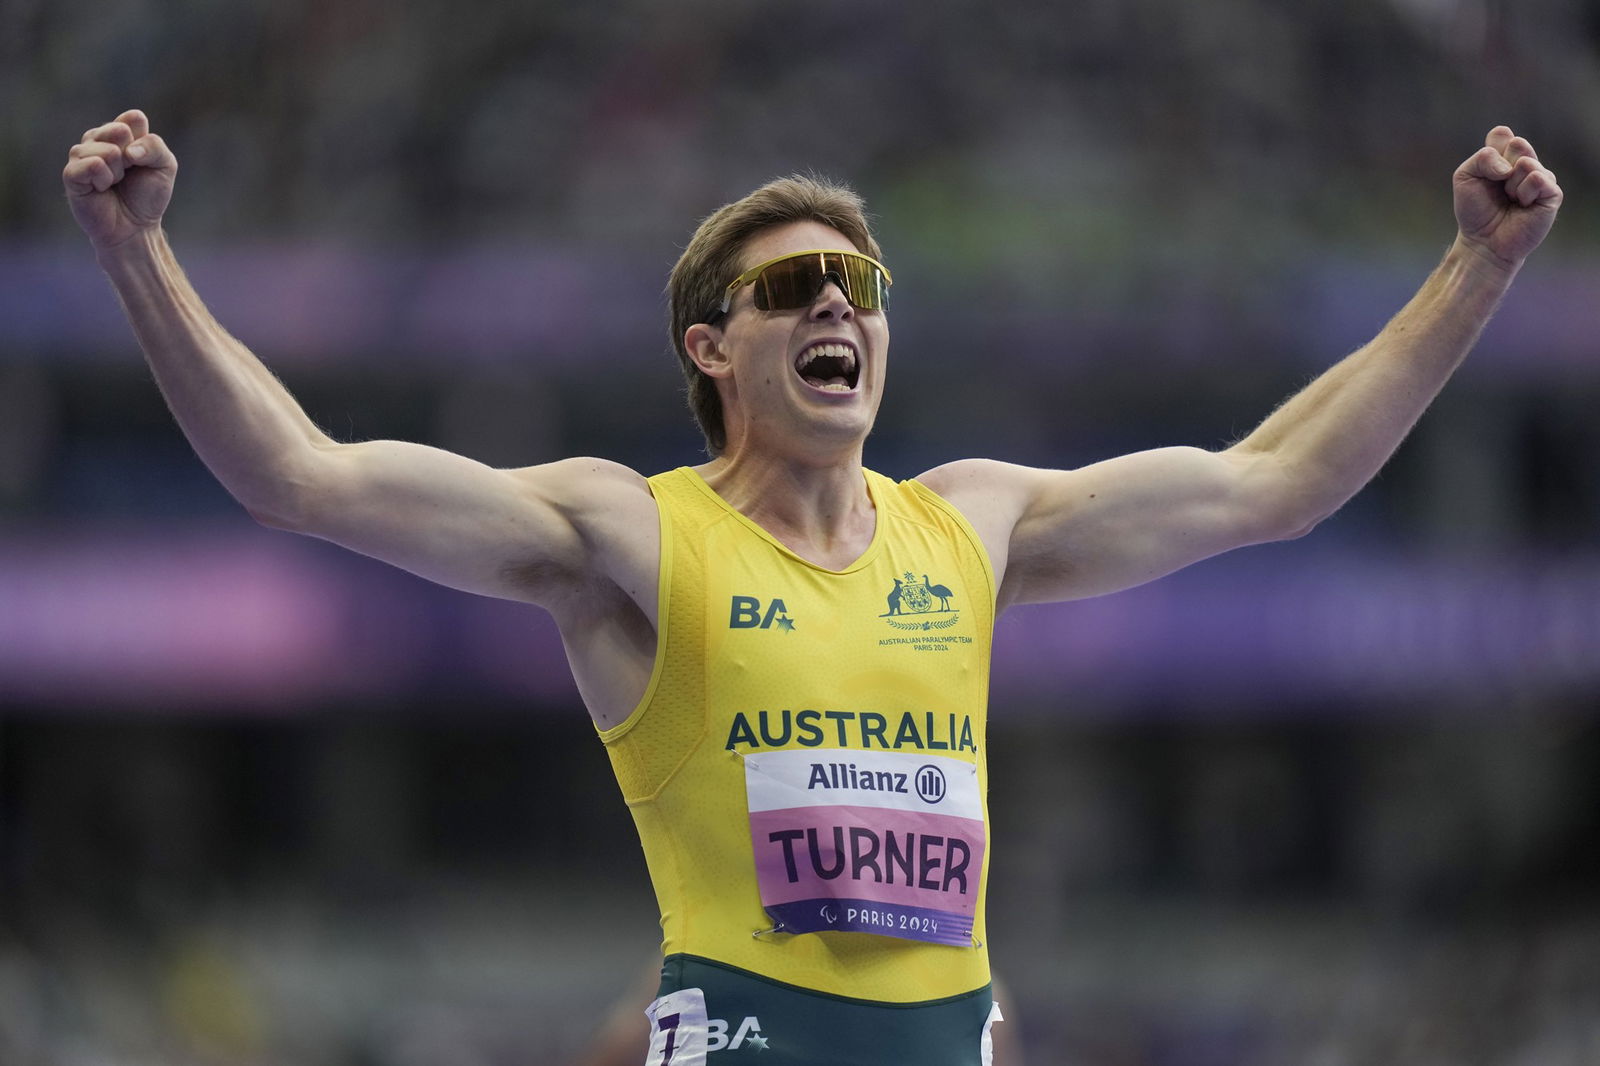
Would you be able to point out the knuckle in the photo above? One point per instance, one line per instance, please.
(107, 133)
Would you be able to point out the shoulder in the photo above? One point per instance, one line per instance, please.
(585, 486)
(601, 498)
(983, 489)
(611, 515)
(990, 495)
(585, 469)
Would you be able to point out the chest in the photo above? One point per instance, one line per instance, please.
(906, 628)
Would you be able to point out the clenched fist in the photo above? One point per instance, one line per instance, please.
(1505, 199)
(119, 180)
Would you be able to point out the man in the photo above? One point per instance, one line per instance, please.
(785, 654)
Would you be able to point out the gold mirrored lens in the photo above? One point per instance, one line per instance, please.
(795, 281)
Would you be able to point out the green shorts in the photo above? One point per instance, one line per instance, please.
(711, 1014)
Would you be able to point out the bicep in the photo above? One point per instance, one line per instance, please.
(521, 534)
(1125, 521)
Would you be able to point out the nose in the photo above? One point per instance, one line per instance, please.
(831, 302)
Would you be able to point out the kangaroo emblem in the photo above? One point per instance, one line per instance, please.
(894, 598)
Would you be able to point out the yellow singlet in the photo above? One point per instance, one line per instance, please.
(806, 768)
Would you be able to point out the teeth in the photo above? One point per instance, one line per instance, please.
(834, 351)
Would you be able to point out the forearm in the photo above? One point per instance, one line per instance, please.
(1332, 437)
(242, 422)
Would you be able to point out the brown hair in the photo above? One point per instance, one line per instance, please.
(712, 260)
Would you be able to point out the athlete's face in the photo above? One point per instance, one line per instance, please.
(812, 375)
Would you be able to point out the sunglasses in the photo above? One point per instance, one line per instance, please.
(794, 280)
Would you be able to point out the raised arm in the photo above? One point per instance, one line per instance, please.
(1068, 534)
(548, 534)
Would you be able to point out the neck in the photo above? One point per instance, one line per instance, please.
(820, 511)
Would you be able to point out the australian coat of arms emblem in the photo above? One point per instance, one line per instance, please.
(923, 604)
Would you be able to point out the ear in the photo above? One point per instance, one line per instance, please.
(704, 345)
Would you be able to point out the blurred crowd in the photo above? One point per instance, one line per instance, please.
(1273, 181)
(624, 120)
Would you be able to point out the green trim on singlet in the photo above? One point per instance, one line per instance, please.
(804, 1027)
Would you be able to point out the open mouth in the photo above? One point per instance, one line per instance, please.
(829, 367)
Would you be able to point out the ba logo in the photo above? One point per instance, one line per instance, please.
(746, 612)
(716, 1036)
(748, 1032)
(930, 783)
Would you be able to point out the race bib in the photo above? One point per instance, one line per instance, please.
(867, 841)
(678, 1029)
